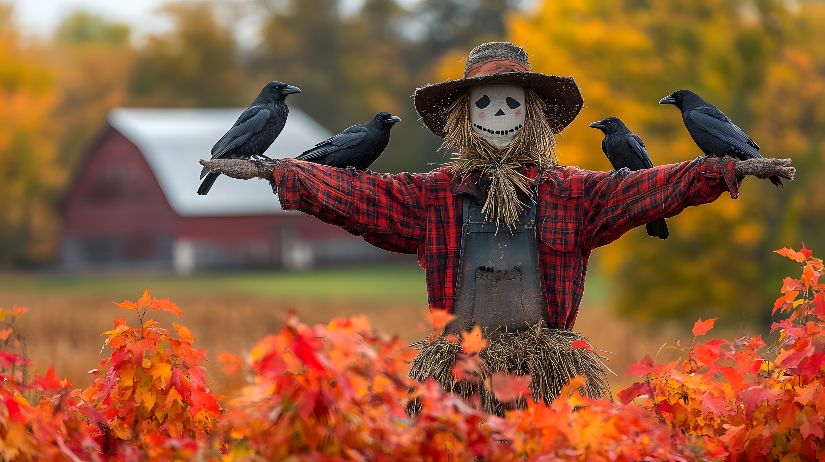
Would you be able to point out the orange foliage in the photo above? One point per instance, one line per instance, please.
(340, 392)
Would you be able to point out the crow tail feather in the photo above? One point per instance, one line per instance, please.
(207, 183)
(658, 228)
(776, 181)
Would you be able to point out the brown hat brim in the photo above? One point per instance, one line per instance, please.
(562, 98)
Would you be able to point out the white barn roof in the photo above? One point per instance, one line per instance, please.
(173, 140)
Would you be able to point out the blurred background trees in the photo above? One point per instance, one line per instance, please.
(761, 61)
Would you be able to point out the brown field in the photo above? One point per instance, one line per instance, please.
(66, 317)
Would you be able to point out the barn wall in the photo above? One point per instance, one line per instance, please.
(115, 214)
(291, 240)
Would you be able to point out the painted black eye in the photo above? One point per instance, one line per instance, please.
(511, 103)
(483, 102)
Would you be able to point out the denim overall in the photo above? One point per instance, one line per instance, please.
(498, 286)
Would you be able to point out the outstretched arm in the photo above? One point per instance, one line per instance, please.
(386, 209)
(621, 200)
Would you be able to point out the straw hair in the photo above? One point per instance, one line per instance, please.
(546, 355)
(499, 170)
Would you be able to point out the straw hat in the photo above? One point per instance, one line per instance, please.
(500, 62)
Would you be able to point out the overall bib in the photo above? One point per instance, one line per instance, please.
(498, 286)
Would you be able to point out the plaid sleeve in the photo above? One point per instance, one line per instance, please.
(619, 201)
(386, 209)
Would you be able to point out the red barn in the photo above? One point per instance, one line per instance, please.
(133, 202)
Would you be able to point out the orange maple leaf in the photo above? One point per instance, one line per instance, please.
(792, 254)
(18, 311)
(184, 334)
(127, 305)
(473, 342)
(439, 318)
(146, 300)
(702, 327)
(6, 333)
(164, 304)
(231, 364)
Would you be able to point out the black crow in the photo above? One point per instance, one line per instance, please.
(712, 130)
(358, 146)
(624, 149)
(254, 131)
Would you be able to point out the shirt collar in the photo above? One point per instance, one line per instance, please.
(470, 184)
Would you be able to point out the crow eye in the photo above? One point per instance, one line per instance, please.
(511, 103)
(483, 102)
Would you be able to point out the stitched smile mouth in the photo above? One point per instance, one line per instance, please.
(498, 132)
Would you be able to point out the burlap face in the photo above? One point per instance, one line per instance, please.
(497, 112)
(500, 169)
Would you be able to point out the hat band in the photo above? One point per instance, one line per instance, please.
(496, 66)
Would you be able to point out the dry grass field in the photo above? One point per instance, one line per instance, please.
(230, 312)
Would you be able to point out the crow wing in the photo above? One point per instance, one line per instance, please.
(638, 147)
(251, 121)
(705, 113)
(348, 138)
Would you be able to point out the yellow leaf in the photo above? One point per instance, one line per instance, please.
(127, 375)
(172, 397)
(114, 333)
(120, 429)
(147, 397)
(162, 371)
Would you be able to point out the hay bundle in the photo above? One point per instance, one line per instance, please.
(546, 355)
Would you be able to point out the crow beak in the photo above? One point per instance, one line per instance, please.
(667, 100)
(598, 124)
(393, 120)
(290, 90)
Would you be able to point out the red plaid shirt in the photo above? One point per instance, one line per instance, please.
(578, 210)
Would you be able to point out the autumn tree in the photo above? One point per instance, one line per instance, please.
(29, 173)
(95, 60)
(196, 64)
(762, 63)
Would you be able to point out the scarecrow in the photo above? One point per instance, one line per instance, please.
(503, 231)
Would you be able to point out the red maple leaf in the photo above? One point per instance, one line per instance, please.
(715, 403)
(789, 284)
(811, 366)
(811, 424)
(575, 344)
(508, 387)
(8, 360)
(753, 397)
(643, 367)
(630, 393)
(806, 252)
(304, 352)
(702, 327)
(48, 382)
